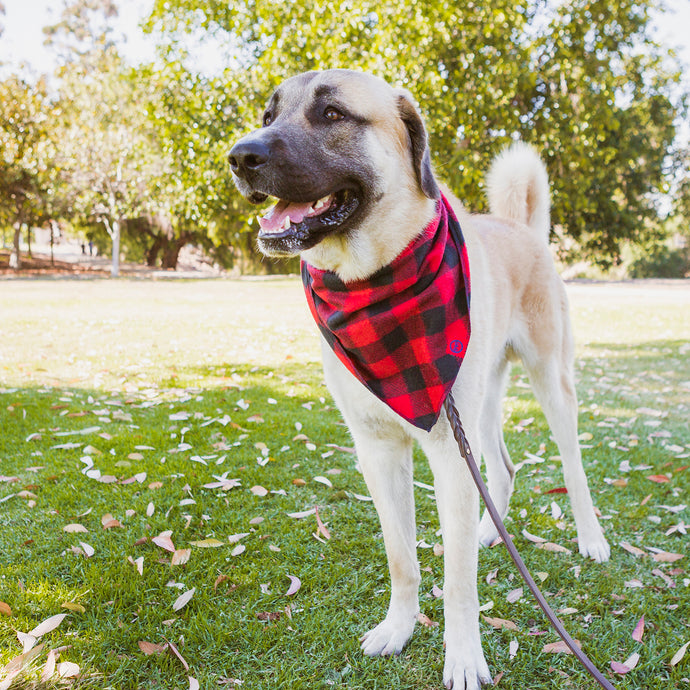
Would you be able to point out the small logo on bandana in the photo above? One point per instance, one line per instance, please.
(456, 347)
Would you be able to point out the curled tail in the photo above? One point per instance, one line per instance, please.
(518, 188)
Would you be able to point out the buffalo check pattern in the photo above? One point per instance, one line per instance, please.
(404, 331)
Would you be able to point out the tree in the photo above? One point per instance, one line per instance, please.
(25, 152)
(582, 79)
(107, 155)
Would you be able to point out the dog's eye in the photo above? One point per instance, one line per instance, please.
(268, 118)
(333, 114)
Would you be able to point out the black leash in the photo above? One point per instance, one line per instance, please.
(466, 452)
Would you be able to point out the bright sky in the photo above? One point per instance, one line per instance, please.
(22, 40)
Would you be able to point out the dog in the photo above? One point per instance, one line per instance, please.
(347, 157)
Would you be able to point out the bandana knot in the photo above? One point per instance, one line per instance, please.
(403, 332)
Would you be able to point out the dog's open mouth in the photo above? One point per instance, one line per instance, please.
(291, 220)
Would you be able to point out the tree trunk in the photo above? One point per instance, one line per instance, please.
(154, 250)
(171, 253)
(16, 255)
(115, 268)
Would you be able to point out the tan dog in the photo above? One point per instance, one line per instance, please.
(347, 157)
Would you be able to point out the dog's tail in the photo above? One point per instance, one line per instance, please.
(518, 188)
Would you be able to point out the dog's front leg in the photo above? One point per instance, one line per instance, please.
(386, 464)
(458, 506)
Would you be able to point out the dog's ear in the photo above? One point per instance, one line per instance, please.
(419, 145)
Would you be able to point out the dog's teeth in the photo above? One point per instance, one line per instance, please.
(286, 224)
(320, 203)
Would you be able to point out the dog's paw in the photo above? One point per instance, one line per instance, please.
(487, 530)
(388, 637)
(461, 673)
(595, 547)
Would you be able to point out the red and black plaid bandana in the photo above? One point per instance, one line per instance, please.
(404, 331)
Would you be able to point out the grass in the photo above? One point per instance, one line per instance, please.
(190, 381)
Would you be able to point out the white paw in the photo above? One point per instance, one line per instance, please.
(487, 530)
(595, 547)
(466, 671)
(388, 637)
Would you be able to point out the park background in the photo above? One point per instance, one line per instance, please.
(117, 130)
(180, 504)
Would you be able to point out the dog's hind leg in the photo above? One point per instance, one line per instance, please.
(553, 384)
(385, 458)
(499, 468)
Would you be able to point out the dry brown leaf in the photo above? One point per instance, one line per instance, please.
(499, 623)
(176, 652)
(514, 595)
(208, 543)
(533, 538)
(87, 549)
(559, 647)
(108, 521)
(183, 599)
(426, 621)
(67, 669)
(666, 557)
(74, 527)
(638, 553)
(239, 549)
(49, 667)
(321, 528)
(164, 541)
(48, 625)
(193, 683)
(149, 648)
(180, 557)
(259, 490)
(679, 654)
(638, 632)
(295, 584)
(555, 548)
(5, 609)
(138, 563)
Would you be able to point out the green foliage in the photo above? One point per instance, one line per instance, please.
(146, 147)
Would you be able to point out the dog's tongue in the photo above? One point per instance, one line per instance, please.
(274, 220)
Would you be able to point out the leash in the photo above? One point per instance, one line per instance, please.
(466, 452)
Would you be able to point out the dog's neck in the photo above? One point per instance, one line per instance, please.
(389, 229)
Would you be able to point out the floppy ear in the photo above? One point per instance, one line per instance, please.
(419, 145)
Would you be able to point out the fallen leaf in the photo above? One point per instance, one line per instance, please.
(67, 669)
(556, 548)
(149, 648)
(164, 541)
(514, 595)
(183, 599)
(48, 625)
(269, 615)
(513, 648)
(138, 563)
(658, 478)
(324, 480)
(559, 647)
(426, 621)
(180, 557)
(5, 609)
(234, 538)
(619, 668)
(321, 528)
(108, 521)
(679, 654)
(208, 543)
(259, 490)
(295, 584)
(531, 537)
(499, 623)
(302, 514)
(71, 606)
(74, 527)
(176, 652)
(239, 549)
(87, 549)
(633, 549)
(638, 632)
(193, 683)
(666, 557)
(49, 667)
(26, 640)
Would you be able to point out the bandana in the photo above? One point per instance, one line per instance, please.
(404, 331)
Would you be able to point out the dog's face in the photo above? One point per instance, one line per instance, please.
(340, 151)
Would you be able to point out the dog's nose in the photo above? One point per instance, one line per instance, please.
(248, 155)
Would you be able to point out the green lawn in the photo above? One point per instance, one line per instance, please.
(135, 409)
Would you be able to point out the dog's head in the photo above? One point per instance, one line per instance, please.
(347, 158)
